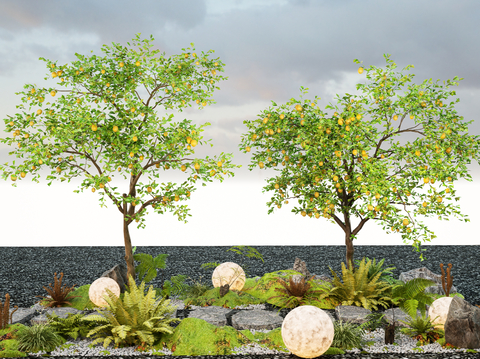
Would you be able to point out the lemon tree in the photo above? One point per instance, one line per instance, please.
(104, 115)
(340, 166)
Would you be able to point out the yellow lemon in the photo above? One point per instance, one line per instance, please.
(115, 128)
(298, 108)
(405, 222)
(94, 127)
(360, 70)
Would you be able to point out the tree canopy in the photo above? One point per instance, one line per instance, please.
(105, 120)
(340, 166)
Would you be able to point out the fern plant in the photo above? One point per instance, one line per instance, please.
(176, 286)
(410, 295)
(357, 289)
(133, 320)
(72, 326)
(423, 329)
(59, 295)
(296, 293)
(196, 290)
(376, 268)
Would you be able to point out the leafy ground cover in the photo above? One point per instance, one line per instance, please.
(253, 292)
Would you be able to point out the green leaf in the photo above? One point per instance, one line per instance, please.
(148, 265)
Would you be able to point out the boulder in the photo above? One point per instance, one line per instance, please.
(224, 289)
(119, 275)
(462, 327)
(301, 266)
(424, 272)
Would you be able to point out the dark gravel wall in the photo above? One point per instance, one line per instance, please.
(25, 270)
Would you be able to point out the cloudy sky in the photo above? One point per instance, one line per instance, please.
(270, 49)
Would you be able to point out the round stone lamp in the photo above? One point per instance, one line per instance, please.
(99, 288)
(307, 331)
(439, 308)
(229, 273)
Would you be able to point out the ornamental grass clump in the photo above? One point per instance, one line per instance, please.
(38, 338)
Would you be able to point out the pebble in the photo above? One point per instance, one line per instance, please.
(405, 343)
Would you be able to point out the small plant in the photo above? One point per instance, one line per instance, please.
(196, 290)
(250, 253)
(347, 336)
(357, 289)
(411, 295)
(295, 293)
(72, 326)
(134, 319)
(375, 320)
(422, 329)
(59, 295)
(176, 286)
(38, 338)
(375, 268)
(4, 311)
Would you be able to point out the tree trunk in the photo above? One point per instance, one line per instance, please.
(128, 242)
(349, 254)
(128, 251)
